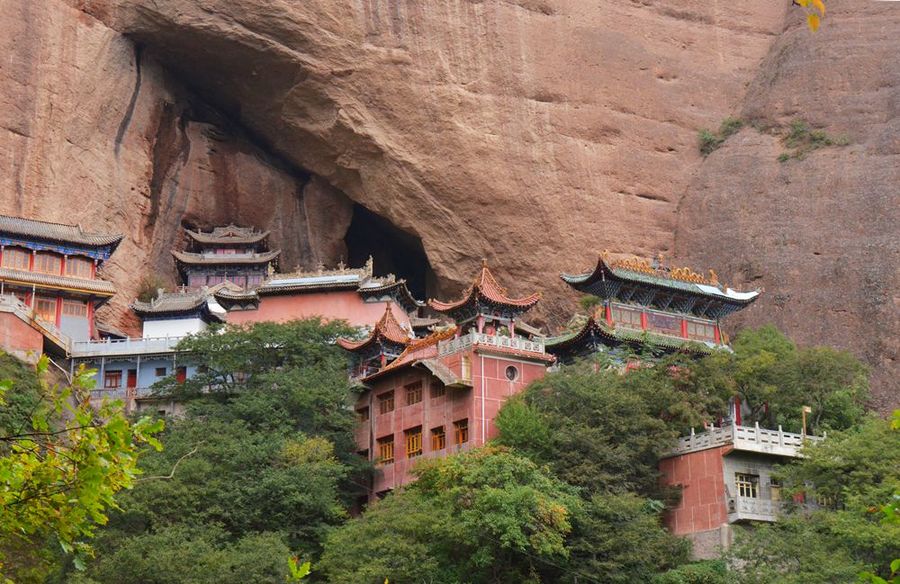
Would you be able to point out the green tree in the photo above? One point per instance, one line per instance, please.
(600, 430)
(483, 516)
(268, 455)
(846, 478)
(775, 380)
(61, 463)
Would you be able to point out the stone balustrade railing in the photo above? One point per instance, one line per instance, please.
(748, 438)
(112, 348)
(755, 509)
(471, 339)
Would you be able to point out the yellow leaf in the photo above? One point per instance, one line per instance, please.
(813, 21)
(803, 3)
(819, 5)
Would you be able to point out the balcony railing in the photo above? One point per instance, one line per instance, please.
(750, 509)
(111, 348)
(747, 438)
(471, 339)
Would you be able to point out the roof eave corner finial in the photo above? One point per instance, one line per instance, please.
(369, 267)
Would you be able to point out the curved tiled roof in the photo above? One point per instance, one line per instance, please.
(395, 288)
(416, 350)
(60, 232)
(386, 329)
(228, 234)
(643, 272)
(225, 259)
(54, 281)
(612, 336)
(174, 303)
(486, 289)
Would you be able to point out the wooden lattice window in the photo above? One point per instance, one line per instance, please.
(438, 389)
(413, 393)
(363, 414)
(47, 263)
(16, 258)
(438, 438)
(45, 308)
(413, 442)
(747, 485)
(461, 431)
(112, 379)
(75, 308)
(386, 402)
(386, 450)
(78, 267)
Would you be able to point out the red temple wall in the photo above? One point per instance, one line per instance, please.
(342, 304)
(456, 404)
(701, 476)
(19, 339)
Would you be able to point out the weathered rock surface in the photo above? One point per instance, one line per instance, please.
(822, 234)
(531, 132)
(95, 131)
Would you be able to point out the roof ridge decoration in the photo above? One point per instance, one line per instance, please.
(485, 287)
(228, 233)
(386, 329)
(62, 232)
(656, 274)
(365, 272)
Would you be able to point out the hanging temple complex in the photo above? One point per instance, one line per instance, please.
(431, 376)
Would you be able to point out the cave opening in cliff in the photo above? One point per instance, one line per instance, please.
(393, 251)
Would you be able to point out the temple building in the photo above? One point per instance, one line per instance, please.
(431, 396)
(726, 477)
(351, 294)
(49, 283)
(643, 303)
(239, 255)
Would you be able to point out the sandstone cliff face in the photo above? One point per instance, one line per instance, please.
(94, 131)
(531, 132)
(822, 234)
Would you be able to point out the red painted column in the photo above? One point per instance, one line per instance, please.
(31, 262)
(94, 270)
(90, 315)
(684, 332)
(608, 314)
(643, 321)
(717, 336)
(62, 266)
(59, 303)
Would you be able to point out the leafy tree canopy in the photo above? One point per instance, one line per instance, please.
(61, 463)
(262, 464)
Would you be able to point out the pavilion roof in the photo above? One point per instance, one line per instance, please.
(60, 232)
(182, 302)
(415, 351)
(583, 330)
(320, 279)
(643, 273)
(228, 234)
(485, 289)
(387, 329)
(56, 282)
(392, 287)
(199, 259)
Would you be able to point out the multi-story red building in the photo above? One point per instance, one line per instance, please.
(440, 394)
(49, 281)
